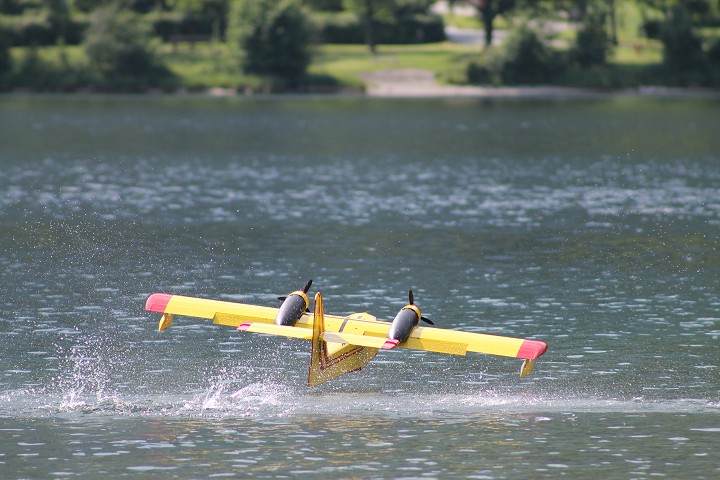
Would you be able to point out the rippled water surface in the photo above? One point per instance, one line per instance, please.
(590, 224)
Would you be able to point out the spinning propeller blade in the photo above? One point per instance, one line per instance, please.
(412, 302)
(305, 290)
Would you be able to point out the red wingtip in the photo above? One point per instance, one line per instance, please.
(244, 327)
(157, 302)
(390, 344)
(532, 349)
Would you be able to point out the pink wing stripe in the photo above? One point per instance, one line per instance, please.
(390, 344)
(531, 349)
(157, 302)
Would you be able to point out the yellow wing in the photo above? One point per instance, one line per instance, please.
(360, 329)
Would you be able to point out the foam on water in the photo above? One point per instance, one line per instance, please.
(262, 401)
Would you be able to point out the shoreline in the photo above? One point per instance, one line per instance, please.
(392, 84)
(407, 92)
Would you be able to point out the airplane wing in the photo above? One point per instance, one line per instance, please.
(361, 329)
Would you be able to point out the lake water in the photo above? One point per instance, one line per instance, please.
(591, 224)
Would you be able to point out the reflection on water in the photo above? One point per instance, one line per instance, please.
(589, 224)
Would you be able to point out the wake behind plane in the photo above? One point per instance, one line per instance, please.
(343, 344)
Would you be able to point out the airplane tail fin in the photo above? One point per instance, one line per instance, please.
(330, 360)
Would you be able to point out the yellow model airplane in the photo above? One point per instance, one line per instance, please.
(342, 344)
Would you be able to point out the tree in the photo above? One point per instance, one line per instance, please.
(274, 36)
(682, 48)
(528, 59)
(369, 11)
(5, 59)
(118, 44)
(591, 45)
(488, 10)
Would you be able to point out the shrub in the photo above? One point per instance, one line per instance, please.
(528, 60)
(652, 28)
(488, 69)
(591, 46)
(714, 53)
(5, 59)
(274, 36)
(682, 53)
(117, 44)
(347, 28)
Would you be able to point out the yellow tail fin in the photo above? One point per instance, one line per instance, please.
(329, 359)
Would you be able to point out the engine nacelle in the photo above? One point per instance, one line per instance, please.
(404, 322)
(292, 308)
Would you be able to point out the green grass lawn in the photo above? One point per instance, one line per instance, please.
(347, 63)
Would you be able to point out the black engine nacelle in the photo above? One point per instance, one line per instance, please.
(293, 307)
(404, 322)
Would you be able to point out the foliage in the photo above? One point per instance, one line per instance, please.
(196, 17)
(370, 12)
(682, 48)
(325, 5)
(43, 28)
(488, 10)
(345, 28)
(524, 59)
(12, 7)
(5, 59)
(591, 46)
(171, 25)
(118, 45)
(274, 36)
(528, 59)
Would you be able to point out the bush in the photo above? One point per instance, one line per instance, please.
(274, 35)
(591, 46)
(5, 59)
(340, 28)
(652, 28)
(528, 60)
(488, 69)
(347, 28)
(682, 53)
(525, 59)
(45, 29)
(714, 53)
(119, 45)
(167, 25)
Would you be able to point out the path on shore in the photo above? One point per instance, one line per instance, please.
(411, 82)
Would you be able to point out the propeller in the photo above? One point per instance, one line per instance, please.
(305, 290)
(412, 302)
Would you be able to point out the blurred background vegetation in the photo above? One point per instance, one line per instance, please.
(329, 45)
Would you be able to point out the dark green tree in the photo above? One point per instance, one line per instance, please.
(369, 12)
(5, 59)
(489, 10)
(528, 59)
(118, 43)
(274, 35)
(592, 43)
(682, 48)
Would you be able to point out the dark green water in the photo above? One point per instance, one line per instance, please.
(590, 224)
